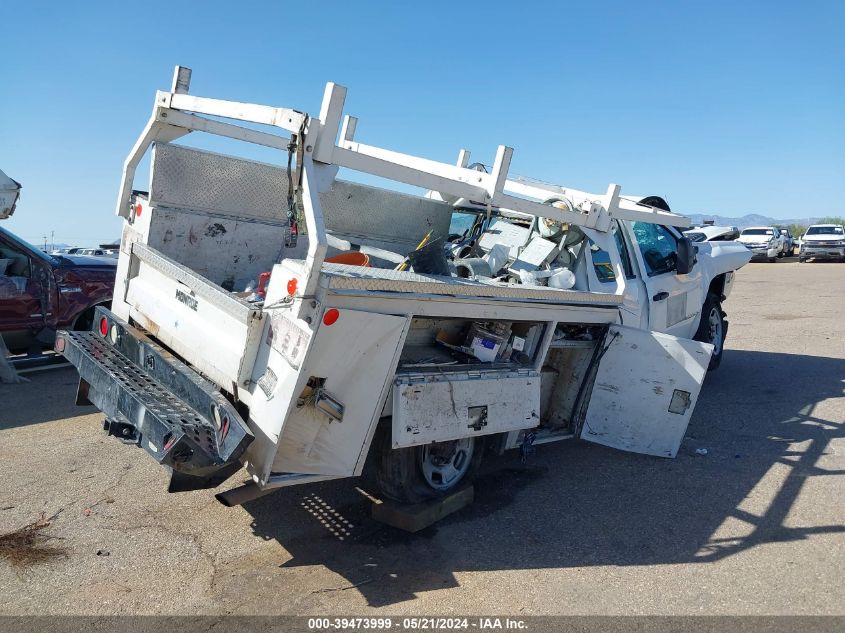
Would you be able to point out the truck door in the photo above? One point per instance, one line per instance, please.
(645, 389)
(674, 300)
(23, 294)
(602, 277)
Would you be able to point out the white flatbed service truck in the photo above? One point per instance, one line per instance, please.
(558, 314)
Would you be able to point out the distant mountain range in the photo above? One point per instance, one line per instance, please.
(752, 219)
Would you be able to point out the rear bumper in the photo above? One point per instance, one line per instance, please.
(156, 402)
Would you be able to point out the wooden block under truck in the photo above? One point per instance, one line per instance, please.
(277, 318)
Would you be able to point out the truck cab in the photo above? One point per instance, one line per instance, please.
(658, 295)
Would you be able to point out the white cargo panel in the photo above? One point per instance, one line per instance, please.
(442, 407)
(210, 328)
(355, 357)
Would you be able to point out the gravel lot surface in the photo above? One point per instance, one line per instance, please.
(756, 526)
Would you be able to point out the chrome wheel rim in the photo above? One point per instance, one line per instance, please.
(714, 321)
(444, 464)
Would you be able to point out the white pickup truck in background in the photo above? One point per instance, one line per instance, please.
(264, 316)
(763, 241)
(823, 241)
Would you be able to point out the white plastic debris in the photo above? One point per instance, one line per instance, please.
(538, 252)
(497, 257)
(529, 278)
(562, 278)
(701, 451)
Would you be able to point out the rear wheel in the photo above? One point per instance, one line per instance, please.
(420, 473)
(712, 328)
(85, 320)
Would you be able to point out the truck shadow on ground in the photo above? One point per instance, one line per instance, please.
(576, 504)
(25, 403)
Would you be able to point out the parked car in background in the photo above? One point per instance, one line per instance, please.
(823, 241)
(763, 242)
(71, 250)
(40, 293)
(99, 252)
(710, 233)
(788, 242)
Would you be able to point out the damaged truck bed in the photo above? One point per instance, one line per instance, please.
(281, 319)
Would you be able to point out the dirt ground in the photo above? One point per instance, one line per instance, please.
(755, 526)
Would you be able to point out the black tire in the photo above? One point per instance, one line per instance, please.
(706, 333)
(800, 260)
(399, 472)
(781, 253)
(85, 321)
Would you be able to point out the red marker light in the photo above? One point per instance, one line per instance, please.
(331, 316)
(169, 441)
(138, 209)
(104, 326)
(292, 286)
(224, 428)
(60, 344)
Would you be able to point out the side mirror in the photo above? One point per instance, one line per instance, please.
(686, 256)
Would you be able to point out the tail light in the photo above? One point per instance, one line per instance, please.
(169, 440)
(331, 316)
(104, 327)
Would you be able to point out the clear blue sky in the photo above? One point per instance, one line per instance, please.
(725, 108)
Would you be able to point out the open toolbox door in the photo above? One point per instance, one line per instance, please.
(327, 398)
(645, 390)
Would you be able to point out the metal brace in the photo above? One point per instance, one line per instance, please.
(527, 446)
(296, 145)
